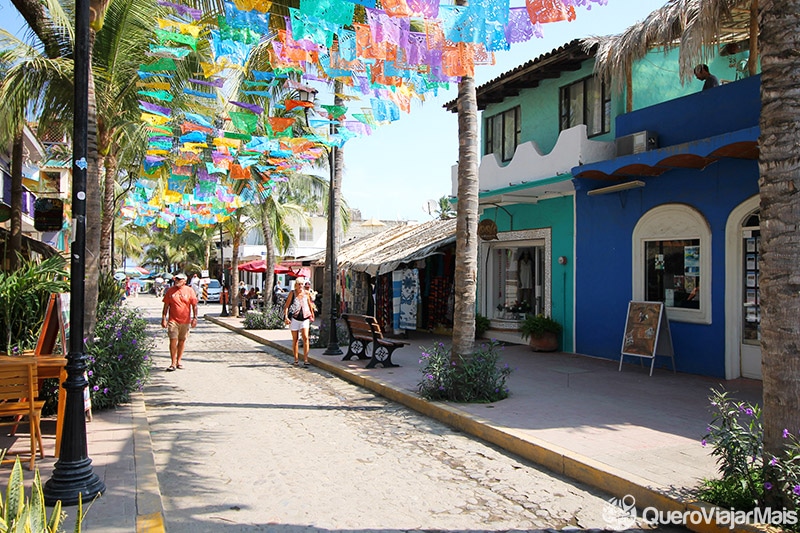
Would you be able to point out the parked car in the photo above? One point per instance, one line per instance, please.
(214, 290)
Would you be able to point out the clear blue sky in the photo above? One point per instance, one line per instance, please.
(391, 173)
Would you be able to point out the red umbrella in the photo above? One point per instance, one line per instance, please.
(259, 265)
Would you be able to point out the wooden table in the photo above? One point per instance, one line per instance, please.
(49, 366)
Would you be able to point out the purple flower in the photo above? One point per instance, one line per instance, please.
(773, 461)
(703, 443)
(796, 490)
(91, 373)
(749, 411)
(785, 433)
(96, 388)
(767, 486)
(105, 391)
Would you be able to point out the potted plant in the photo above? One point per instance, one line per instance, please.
(542, 331)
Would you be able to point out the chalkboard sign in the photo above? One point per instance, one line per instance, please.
(647, 333)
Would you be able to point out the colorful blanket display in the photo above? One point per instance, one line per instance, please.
(223, 135)
(405, 298)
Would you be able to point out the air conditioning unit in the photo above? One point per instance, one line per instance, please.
(636, 143)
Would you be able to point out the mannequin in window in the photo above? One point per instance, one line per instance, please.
(526, 276)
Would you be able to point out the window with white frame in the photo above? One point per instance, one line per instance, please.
(501, 134)
(587, 101)
(306, 233)
(671, 256)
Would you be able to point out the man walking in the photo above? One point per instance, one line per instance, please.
(178, 316)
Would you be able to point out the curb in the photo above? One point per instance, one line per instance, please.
(558, 460)
(149, 507)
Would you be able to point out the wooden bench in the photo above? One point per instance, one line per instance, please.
(363, 330)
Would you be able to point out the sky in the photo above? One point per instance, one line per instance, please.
(391, 174)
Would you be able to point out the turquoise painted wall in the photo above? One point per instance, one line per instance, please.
(655, 79)
(557, 214)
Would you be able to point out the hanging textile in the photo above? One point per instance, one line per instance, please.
(397, 287)
(409, 298)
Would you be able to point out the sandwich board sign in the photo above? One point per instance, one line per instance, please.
(647, 333)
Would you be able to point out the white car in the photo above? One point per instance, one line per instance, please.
(214, 290)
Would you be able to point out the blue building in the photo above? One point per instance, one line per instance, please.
(645, 194)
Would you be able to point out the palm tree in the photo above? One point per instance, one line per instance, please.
(445, 209)
(773, 30)
(466, 272)
(237, 226)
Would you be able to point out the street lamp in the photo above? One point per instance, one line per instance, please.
(73, 478)
(224, 311)
(307, 94)
(333, 341)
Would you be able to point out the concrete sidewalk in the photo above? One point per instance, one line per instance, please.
(624, 432)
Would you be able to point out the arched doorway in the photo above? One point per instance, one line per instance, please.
(742, 295)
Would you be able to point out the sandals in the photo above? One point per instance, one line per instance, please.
(296, 363)
(170, 368)
(306, 364)
(180, 367)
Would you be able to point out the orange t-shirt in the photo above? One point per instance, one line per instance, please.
(180, 301)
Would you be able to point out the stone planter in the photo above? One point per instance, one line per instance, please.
(546, 342)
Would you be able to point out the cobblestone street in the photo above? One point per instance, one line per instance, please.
(246, 442)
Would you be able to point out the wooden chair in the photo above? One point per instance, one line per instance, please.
(18, 392)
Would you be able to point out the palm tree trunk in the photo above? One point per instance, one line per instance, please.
(236, 238)
(93, 209)
(269, 259)
(466, 272)
(109, 211)
(779, 167)
(15, 239)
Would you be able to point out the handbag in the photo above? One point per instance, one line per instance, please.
(295, 309)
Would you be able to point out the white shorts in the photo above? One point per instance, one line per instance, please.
(297, 325)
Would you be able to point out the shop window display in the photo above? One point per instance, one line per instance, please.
(672, 272)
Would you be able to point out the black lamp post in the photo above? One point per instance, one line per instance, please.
(73, 477)
(224, 311)
(307, 95)
(333, 341)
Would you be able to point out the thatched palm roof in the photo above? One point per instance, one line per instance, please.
(383, 252)
(690, 25)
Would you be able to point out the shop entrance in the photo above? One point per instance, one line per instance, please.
(518, 281)
(750, 341)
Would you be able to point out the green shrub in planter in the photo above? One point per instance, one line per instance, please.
(481, 325)
(537, 325)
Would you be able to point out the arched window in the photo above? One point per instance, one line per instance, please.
(672, 262)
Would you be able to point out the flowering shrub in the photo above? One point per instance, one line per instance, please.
(736, 435)
(270, 318)
(319, 338)
(477, 377)
(119, 361)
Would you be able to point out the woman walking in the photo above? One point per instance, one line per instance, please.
(298, 313)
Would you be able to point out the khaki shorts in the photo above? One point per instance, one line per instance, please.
(178, 331)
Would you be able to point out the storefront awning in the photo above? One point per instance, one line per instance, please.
(742, 144)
